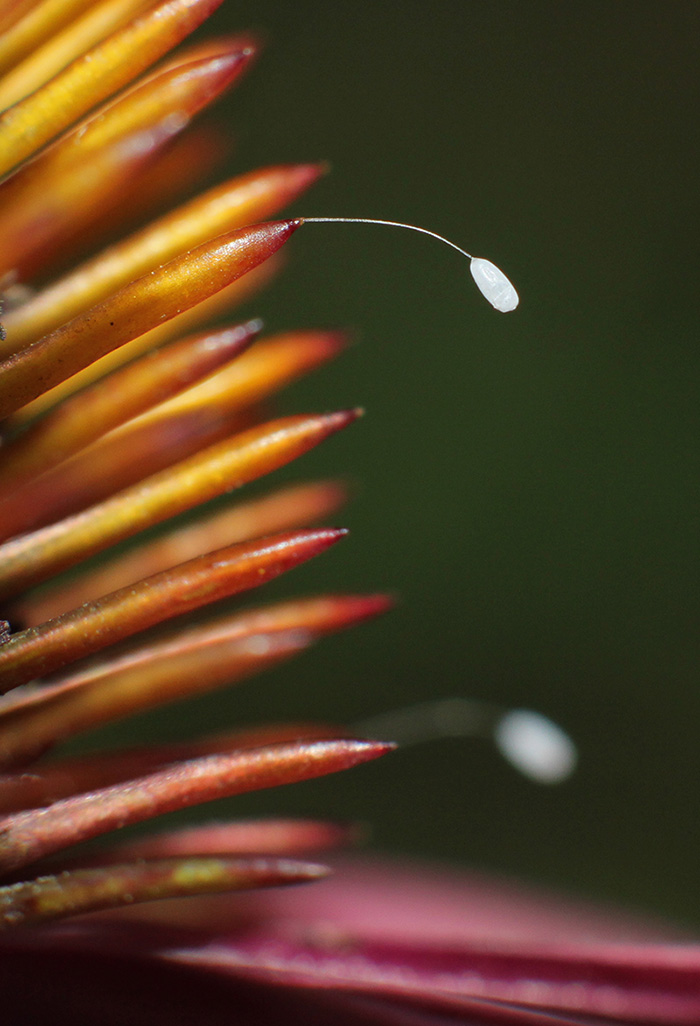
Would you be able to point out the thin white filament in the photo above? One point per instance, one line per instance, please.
(390, 224)
(490, 280)
(529, 741)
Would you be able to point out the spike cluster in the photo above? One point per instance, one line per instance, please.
(122, 410)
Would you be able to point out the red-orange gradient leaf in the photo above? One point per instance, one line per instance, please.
(55, 779)
(72, 709)
(134, 309)
(44, 649)
(96, 75)
(241, 201)
(297, 506)
(28, 836)
(31, 558)
(192, 319)
(51, 198)
(191, 662)
(128, 392)
(89, 890)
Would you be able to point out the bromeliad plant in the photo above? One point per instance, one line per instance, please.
(121, 411)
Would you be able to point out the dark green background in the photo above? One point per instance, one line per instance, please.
(527, 484)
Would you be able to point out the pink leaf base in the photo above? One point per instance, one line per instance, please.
(373, 945)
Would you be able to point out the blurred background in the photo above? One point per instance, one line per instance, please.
(527, 485)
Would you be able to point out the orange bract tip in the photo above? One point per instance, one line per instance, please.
(33, 557)
(94, 76)
(38, 651)
(272, 363)
(297, 506)
(49, 201)
(241, 42)
(125, 394)
(156, 297)
(241, 201)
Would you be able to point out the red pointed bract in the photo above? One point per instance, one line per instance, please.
(32, 558)
(125, 394)
(70, 709)
(28, 836)
(44, 649)
(61, 778)
(143, 304)
(284, 510)
(191, 662)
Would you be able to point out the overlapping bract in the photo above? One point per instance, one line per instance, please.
(88, 460)
(106, 435)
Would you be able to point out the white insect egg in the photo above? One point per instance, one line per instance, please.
(536, 746)
(493, 285)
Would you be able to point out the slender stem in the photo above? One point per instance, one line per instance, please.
(392, 224)
(427, 721)
(529, 741)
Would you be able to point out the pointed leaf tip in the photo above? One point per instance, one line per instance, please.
(245, 200)
(28, 836)
(126, 393)
(95, 75)
(291, 508)
(134, 309)
(301, 176)
(36, 555)
(342, 418)
(89, 890)
(40, 650)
